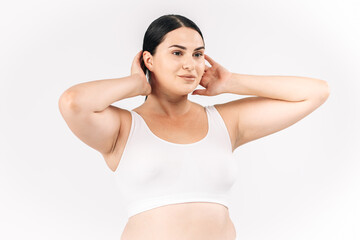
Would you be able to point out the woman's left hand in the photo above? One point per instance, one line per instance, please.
(214, 79)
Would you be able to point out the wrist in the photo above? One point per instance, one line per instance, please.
(230, 83)
(143, 86)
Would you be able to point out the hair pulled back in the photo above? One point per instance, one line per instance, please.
(155, 34)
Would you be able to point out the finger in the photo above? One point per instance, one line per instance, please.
(137, 59)
(199, 92)
(209, 59)
(139, 54)
(206, 67)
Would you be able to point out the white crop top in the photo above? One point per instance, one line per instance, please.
(153, 172)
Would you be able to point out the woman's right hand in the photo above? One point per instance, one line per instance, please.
(136, 70)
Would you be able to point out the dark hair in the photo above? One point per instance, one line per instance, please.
(156, 31)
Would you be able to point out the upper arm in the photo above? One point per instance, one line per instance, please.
(257, 117)
(98, 130)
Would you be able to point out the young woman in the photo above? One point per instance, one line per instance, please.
(173, 158)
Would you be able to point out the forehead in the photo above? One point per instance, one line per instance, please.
(187, 37)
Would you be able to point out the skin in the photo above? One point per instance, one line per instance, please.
(169, 92)
(282, 101)
(168, 101)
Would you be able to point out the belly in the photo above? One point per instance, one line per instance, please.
(196, 220)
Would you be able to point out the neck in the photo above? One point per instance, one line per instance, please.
(169, 106)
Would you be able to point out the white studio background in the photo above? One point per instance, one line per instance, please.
(302, 183)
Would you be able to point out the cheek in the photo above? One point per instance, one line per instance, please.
(201, 68)
(170, 64)
(202, 65)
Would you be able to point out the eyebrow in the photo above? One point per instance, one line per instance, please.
(182, 47)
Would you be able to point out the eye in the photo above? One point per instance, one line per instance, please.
(199, 54)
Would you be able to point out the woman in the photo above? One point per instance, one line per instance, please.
(172, 157)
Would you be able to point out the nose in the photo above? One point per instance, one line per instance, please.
(188, 63)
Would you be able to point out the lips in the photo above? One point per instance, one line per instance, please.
(187, 75)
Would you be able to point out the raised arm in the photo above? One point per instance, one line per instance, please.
(87, 109)
(279, 102)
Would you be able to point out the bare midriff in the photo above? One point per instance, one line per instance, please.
(194, 220)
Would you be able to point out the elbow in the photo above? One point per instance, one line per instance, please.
(67, 100)
(325, 92)
(320, 91)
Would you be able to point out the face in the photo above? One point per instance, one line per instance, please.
(169, 62)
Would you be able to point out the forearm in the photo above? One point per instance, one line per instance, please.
(97, 95)
(289, 88)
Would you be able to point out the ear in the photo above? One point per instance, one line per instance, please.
(148, 60)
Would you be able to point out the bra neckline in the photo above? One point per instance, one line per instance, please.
(179, 144)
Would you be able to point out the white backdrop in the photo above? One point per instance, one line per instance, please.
(301, 183)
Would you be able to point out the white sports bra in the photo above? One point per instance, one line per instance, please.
(153, 172)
